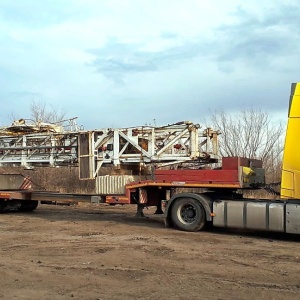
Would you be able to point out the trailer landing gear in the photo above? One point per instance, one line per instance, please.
(139, 211)
(159, 210)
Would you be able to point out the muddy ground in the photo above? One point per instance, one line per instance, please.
(92, 252)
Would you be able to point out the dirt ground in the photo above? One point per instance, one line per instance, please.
(104, 252)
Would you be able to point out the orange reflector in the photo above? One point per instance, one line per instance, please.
(213, 214)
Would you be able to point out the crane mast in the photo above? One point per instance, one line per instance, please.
(48, 145)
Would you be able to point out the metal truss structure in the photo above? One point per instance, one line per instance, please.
(43, 149)
(171, 144)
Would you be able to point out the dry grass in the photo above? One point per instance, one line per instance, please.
(63, 179)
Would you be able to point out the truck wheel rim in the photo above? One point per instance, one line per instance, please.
(187, 213)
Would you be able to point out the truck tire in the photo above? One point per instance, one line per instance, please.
(188, 214)
(29, 205)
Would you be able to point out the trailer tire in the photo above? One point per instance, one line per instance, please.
(29, 205)
(2, 206)
(188, 214)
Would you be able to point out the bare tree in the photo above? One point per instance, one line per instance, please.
(12, 116)
(250, 133)
(41, 113)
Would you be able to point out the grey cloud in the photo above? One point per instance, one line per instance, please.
(259, 40)
(116, 59)
(253, 40)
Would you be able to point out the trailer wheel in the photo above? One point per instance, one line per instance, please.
(2, 206)
(29, 205)
(188, 214)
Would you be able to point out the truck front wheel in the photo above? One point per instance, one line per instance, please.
(188, 214)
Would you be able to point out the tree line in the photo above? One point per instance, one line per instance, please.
(251, 133)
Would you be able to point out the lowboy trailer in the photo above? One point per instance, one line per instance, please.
(220, 204)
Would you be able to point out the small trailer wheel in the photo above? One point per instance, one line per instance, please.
(29, 205)
(2, 206)
(188, 214)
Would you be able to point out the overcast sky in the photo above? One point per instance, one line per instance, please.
(122, 63)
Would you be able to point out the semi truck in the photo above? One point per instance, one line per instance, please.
(218, 200)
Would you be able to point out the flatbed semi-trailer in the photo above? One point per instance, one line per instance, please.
(220, 203)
